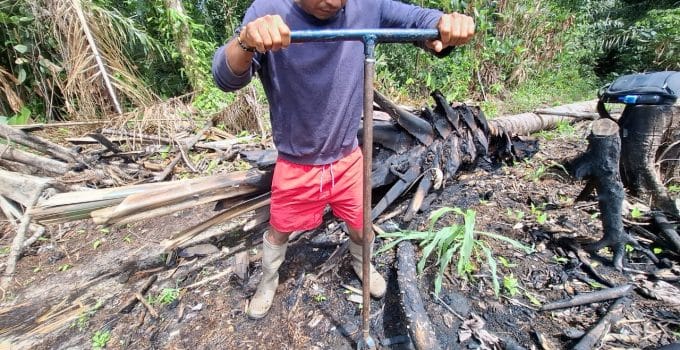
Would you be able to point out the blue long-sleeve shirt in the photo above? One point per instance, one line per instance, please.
(315, 90)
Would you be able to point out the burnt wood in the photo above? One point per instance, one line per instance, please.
(420, 328)
(418, 127)
(599, 164)
(642, 130)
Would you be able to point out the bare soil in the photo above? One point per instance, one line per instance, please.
(70, 286)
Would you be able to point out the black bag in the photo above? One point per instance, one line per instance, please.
(657, 88)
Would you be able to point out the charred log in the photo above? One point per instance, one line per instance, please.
(594, 335)
(420, 328)
(418, 127)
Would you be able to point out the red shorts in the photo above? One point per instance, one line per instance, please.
(300, 193)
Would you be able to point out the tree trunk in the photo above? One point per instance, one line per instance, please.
(182, 35)
(643, 129)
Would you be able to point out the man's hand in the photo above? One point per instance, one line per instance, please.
(266, 33)
(454, 29)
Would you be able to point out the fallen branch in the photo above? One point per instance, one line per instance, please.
(595, 334)
(20, 187)
(244, 207)
(226, 272)
(39, 231)
(102, 216)
(18, 242)
(182, 149)
(40, 126)
(420, 327)
(334, 259)
(175, 194)
(142, 137)
(132, 301)
(38, 144)
(10, 211)
(53, 167)
(587, 298)
(146, 304)
(579, 115)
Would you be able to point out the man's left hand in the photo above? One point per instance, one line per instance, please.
(454, 29)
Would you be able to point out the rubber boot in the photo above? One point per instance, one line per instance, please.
(378, 285)
(272, 258)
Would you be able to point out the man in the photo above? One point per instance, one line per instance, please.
(315, 95)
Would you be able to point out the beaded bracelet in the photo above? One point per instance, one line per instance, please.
(243, 46)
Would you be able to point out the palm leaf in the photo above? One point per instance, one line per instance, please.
(434, 217)
(456, 234)
(431, 245)
(443, 264)
(468, 241)
(493, 267)
(514, 243)
(401, 236)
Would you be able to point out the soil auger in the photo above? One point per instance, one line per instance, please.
(369, 37)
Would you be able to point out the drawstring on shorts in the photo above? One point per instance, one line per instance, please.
(323, 170)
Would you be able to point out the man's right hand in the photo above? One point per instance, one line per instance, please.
(266, 33)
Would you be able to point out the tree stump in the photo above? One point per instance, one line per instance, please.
(599, 164)
(650, 147)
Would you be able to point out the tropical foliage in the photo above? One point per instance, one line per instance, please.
(83, 59)
(458, 242)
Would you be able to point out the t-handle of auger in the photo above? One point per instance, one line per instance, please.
(370, 37)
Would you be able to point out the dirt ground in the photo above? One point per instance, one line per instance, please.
(70, 286)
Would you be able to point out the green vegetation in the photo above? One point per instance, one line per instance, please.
(511, 285)
(636, 213)
(538, 213)
(526, 53)
(100, 339)
(165, 297)
(456, 241)
(83, 319)
(515, 215)
(563, 129)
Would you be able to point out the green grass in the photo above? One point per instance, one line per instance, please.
(550, 89)
(458, 243)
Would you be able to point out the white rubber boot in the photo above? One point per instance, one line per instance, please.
(378, 285)
(272, 258)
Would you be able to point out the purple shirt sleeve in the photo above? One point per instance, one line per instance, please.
(395, 14)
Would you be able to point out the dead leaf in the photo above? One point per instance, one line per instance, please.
(661, 290)
(474, 326)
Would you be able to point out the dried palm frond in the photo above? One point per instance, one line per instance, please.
(7, 81)
(245, 113)
(172, 119)
(90, 62)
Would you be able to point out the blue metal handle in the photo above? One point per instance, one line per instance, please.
(377, 35)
